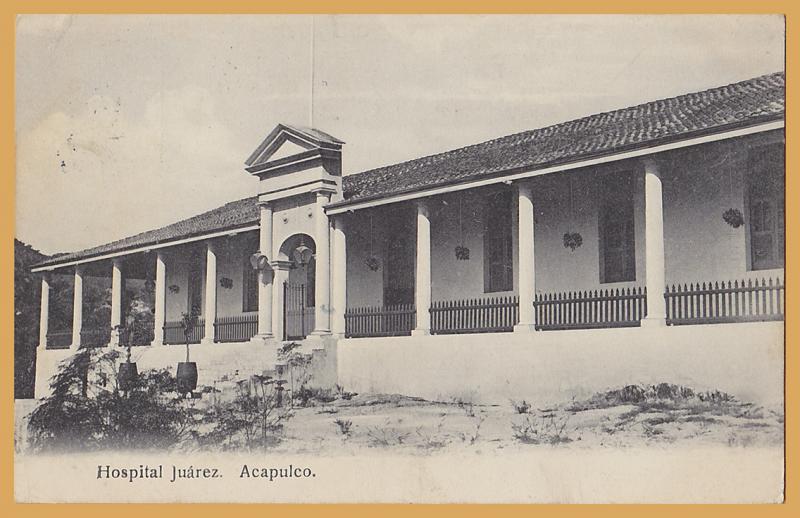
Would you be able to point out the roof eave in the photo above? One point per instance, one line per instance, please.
(622, 150)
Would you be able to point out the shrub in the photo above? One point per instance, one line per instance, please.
(661, 395)
(299, 370)
(254, 419)
(87, 411)
(521, 407)
(547, 429)
(345, 426)
(307, 396)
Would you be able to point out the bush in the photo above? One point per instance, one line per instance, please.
(254, 419)
(661, 395)
(345, 426)
(521, 407)
(87, 411)
(544, 430)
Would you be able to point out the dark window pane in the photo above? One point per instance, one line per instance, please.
(765, 194)
(498, 256)
(617, 241)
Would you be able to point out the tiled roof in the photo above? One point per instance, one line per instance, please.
(686, 116)
(231, 215)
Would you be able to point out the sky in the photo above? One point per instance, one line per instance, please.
(126, 123)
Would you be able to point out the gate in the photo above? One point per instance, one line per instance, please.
(298, 316)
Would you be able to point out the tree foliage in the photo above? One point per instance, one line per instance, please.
(27, 292)
(87, 411)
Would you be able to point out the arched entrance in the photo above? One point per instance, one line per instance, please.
(299, 287)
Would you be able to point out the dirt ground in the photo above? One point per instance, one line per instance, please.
(633, 416)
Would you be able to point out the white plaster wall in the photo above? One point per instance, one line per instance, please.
(230, 263)
(177, 274)
(452, 278)
(364, 286)
(559, 268)
(699, 185)
(291, 216)
(745, 360)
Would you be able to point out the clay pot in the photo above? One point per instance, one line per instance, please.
(126, 377)
(186, 377)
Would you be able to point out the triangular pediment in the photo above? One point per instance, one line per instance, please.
(286, 141)
(287, 149)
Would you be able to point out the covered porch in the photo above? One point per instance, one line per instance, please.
(636, 242)
(646, 241)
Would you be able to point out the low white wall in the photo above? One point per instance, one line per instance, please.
(745, 360)
(213, 360)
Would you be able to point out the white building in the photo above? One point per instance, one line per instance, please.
(643, 244)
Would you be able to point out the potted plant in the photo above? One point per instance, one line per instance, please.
(186, 377)
(733, 217)
(128, 372)
(572, 240)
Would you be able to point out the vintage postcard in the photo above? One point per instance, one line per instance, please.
(385, 258)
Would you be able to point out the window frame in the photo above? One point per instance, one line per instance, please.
(498, 225)
(249, 281)
(778, 205)
(611, 183)
(195, 269)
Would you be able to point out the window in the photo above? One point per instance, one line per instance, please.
(617, 243)
(400, 256)
(766, 207)
(249, 281)
(498, 256)
(195, 287)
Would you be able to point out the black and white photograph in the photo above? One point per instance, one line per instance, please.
(399, 258)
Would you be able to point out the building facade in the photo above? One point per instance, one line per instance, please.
(636, 245)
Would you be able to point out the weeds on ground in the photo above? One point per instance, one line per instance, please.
(521, 407)
(343, 394)
(434, 440)
(472, 437)
(386, 436)
(345, 427)
(467, 406)
(544, 429)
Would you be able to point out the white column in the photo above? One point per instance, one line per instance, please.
(265, 276)
(44, 311)
(77, 308)
(422, 287)
(655, 276)
(116, 301)
(210, 313)
(339, 282)
(322, 280)
(160, 300)
(527, 276)
(280, 271)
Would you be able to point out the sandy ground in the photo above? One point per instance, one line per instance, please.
(414, 426)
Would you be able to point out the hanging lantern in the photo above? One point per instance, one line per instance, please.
(302, 254)
(259, 261)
